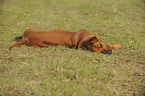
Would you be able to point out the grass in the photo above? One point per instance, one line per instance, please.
(61, 71)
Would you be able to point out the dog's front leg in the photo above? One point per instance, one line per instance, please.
(115, 46)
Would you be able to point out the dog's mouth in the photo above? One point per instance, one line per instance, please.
(108, 52)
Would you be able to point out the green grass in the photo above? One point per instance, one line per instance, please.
(61, 71)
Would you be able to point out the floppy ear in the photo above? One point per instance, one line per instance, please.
(93, 40)
(115, 46)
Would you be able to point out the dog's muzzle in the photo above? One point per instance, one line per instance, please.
(109, 52)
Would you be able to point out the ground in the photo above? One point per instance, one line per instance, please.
(62, 71)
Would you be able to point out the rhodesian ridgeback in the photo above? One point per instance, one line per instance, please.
(83, 39)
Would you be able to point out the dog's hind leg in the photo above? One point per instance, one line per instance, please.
(25, 41)
(42, 44)
(39, 44)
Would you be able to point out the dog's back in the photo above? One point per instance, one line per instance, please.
(37, 38)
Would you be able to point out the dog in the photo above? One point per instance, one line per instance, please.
(83, 39)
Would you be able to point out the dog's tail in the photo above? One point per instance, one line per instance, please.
(19, 37)
(25, 41)
(115, 46)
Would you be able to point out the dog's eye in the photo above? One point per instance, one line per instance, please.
(101, 46)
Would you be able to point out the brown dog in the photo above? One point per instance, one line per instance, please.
(83, 40)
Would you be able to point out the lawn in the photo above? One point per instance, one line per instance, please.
(62, 71)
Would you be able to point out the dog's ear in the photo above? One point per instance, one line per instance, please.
(93, 40)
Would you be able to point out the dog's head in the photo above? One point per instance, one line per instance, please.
(95, 44)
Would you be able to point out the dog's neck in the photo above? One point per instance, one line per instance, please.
(80, 41)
